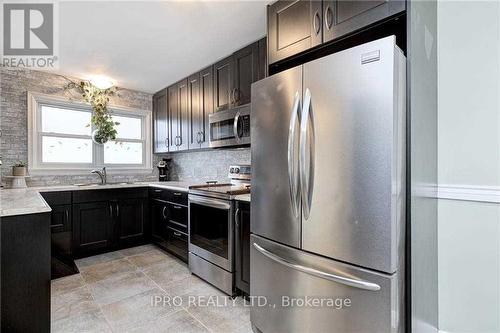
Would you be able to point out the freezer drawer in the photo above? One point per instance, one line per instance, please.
(353, 299)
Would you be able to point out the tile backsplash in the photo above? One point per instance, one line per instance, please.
(206, 165)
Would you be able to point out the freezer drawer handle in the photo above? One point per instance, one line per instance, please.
(324, 275)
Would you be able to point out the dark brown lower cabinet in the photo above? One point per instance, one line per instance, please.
(108, 220)
(92, 227)
(132, 217)
(169, 227)
(242, 247)
(25, 273)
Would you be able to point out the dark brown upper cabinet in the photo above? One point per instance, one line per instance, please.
(246, 71)
(223, 84)
(293, 27)
(173, 111)
(194, 111)
(179, 114)
(344, 17)
(181, 111)
(160, 122)
(297, 26)
(201, 92)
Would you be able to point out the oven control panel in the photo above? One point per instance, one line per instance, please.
(240, 172)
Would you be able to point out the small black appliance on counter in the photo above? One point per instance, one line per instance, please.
(163, 169)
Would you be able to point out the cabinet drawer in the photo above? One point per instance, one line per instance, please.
(178, 197)
(177, 243)
(177, 215)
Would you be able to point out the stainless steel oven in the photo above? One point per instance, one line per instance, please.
(211, 237)
(230, 128)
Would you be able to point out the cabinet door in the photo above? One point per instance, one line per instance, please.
(293, 27)
(158, 222)
(342, 17)
(194, 108)
(243, 247)
(160, 122)
(246, 71)
(263, 58)
(183, 115)
(132, 216)
(92, 227)
(223, 84)
(60, 226)
(206, 104)
(173, 111)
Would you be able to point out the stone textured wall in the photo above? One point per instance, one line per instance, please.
(206, 165)
(14, 85)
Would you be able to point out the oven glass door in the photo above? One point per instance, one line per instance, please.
(209, 227)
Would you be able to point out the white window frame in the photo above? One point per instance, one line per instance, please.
(37, 167)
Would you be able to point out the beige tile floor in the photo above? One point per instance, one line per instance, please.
(116, 292)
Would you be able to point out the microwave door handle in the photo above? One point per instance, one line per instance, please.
(307, 154)
(339, 278)
(292, 158)
(235, 126)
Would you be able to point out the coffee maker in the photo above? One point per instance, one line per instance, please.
(163, 169)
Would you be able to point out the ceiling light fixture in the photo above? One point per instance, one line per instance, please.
(101, 82)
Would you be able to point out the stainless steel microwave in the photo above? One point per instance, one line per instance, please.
(230, 127)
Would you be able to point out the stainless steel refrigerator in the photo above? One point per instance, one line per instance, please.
(327, 208)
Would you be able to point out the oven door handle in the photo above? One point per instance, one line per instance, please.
(214, 203)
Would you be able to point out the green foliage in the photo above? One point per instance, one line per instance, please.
(98, 100)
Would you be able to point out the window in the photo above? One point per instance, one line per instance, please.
(61, 139)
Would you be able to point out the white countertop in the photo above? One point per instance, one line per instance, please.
(29, 201)
(243, 197)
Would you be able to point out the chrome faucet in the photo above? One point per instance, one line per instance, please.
(102, 175)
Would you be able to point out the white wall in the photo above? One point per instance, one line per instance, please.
(469, 155)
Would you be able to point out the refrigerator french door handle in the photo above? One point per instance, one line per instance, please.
(356, 283)
(306, 154)
(292, 162)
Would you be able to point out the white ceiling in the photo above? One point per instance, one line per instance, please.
(148, 45)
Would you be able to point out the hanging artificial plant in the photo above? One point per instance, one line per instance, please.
(101, 117)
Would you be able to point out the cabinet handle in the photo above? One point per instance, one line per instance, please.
(236, 95)
(177, 207)
(158, 191)
(317, 23)
(232, 96)
(178, 194)
(163, 212)
(166, 142)
(328, 17)
(180, 140)
(110, 210)
(178, 234)
(67, 215)
(117, 210)
(202, 136)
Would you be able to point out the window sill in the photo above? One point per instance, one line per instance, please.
(85, 172)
